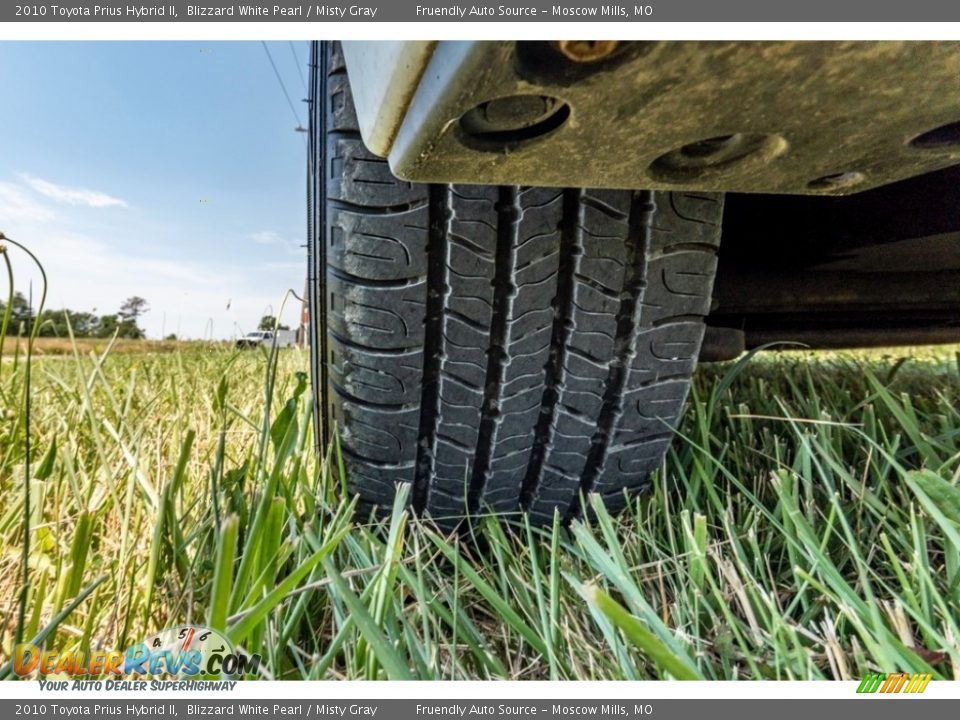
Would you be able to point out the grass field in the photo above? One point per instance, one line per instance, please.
(806, 524)
(45, 346)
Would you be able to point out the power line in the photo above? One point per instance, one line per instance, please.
(283, 86)
(296, 61)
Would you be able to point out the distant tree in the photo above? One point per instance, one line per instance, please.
(107, 326)
(130, 330)
(132, 308)
(130, 311)
(84, 324)
(20, 314)
(172, 337)
(54, 323)
(59, 323)
(268, 322)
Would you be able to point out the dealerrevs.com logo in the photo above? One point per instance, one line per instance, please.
(894, 683)
(186, 651)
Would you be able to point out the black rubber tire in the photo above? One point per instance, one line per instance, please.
(501, 347)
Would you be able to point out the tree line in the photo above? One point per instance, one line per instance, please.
(54, 323)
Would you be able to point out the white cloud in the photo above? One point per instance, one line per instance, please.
(72, 195)
(18, 206)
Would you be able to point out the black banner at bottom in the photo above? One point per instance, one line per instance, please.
(880, 708)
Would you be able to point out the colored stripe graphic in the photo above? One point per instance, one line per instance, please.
(891, 683)
(870, 683)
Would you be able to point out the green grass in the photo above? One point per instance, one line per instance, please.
(806, 525)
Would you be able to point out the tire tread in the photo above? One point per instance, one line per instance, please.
(502, 348)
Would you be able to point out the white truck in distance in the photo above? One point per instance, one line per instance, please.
(284, 338)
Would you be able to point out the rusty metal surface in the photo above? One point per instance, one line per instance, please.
(391, 70)
(815, 118)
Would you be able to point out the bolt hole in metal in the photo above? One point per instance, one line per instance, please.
(503, 123)
(837, 181)
(711, 155)
(940, 138)
(587, 51)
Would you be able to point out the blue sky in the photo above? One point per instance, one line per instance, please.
(166, 170)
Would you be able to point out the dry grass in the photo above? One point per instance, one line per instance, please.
(84, 346)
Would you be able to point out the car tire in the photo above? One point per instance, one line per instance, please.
(498, 348)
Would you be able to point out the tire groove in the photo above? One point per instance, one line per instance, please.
(439, 217)
(348, 277)
(504, 290)
(379, 407)
(397, 209)
(369, 349)
(317, 231)
(544, 432)
(642, 209)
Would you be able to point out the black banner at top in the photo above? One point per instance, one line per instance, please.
(565, 11)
